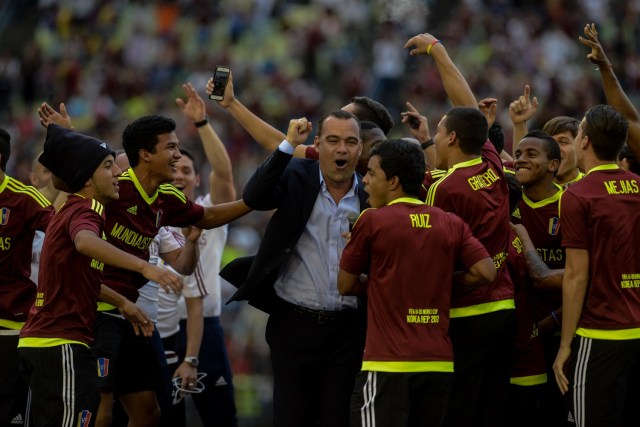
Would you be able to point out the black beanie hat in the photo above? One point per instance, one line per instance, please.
(71, 156)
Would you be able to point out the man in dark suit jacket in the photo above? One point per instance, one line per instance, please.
(315, 334)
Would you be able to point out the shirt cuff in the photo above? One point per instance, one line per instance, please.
(286, 147)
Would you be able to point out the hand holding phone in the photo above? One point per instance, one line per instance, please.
(220, 80)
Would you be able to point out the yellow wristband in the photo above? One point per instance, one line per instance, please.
(433, 43)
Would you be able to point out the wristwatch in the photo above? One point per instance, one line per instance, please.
(191, 360)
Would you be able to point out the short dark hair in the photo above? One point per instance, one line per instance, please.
(338, 114)
(632, 160)
(188, 154)
(142, 134)
(496, 136)
(515, 190)
(402, 159)
(562, 124)
(551, 147)
(470, 126)
(607, 131)
(370, 110)
(5, 149)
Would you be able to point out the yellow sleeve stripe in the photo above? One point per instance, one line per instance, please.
(18, 187)
(97, 206)
(529, 380)
(170, 189)
(478, 309)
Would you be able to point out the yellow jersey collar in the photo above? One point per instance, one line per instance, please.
(472, 162)
(606, 167)
(411, 200)
(136, 183)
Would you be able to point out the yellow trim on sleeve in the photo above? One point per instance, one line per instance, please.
(170, 189)
(386, 366)
(11, 324)
(18, 187)
(478, 309)
(609, 334)
(103, 306)
(529, 380)
(46, 342)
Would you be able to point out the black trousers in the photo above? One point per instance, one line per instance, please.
(315, 361)
(482, 348)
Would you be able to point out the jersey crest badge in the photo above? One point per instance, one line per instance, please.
(133, 210)
(103, 367)
(554, 225)
(4, 219)
(84, 418)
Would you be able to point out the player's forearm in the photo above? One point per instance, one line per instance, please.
(186, 260)
(351, 284)
(218, 215)
(574, 289)
(112, 297)
(216, 152)
(264, 134)
(195, 326)
(455, 85)
(618, 99)
(481, 273)
(89, 244)
(543, 277)
(519, 131)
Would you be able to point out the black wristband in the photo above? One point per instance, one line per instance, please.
(428, 143)
(202, 122)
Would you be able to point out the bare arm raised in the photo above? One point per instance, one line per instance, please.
(264, 134)
(454, 82)
(612, 89)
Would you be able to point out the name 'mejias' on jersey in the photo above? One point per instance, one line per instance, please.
(69, 282)
(477, 192)
(133, 221)
(410, 251)
(601, 214)
(23, 210)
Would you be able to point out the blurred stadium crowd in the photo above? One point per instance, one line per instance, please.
(112, 61)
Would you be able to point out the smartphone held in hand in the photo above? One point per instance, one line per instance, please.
(220, 79)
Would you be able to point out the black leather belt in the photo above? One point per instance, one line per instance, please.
(320, 317)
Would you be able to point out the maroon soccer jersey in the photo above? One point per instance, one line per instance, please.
(133, 221)
(477, 192)
(542, 221)
(410, 250)
(22, 211)
(68, 282)
(527, 360)
(601, 214)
